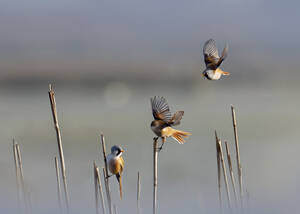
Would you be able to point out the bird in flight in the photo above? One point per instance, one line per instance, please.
(213, 60)
(163, 121)
(116, 164)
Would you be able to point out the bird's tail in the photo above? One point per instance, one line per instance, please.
(176, 134)
(225, 73)
(119, 178)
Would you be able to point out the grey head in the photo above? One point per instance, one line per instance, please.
(116, 150)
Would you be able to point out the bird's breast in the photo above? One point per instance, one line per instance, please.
(114, 165)
(213, 74)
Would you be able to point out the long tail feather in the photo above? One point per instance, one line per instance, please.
(180, 135)
(226, 73)
(120, 184)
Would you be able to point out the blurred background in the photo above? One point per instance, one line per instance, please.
(107, 58)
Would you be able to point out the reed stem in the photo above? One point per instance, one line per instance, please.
(219, 171)
(155, 156)
(59, 143)
(106, 175)
(239, 167)
(138, 191)
(224, 174)
(58, 184)
(100, 190)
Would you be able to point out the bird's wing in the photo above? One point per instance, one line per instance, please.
(122, 163)
(176, 118)
(160, 109)
(224, 55)
(211, 55)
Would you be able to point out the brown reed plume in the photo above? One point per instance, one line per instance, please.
(59, 144)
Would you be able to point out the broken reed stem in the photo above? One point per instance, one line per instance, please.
(100, 190)
(155, 156)
(231, 171)
(17, 173)
(224, 174)
(96, 188)
(239, 167)
(106, 175)
(58, 184)
(138, 193)
(219, 171)
(20, 164)
(59, 143)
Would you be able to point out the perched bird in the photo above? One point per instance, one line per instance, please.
(163, 121)
(213, 60)
(116, 164)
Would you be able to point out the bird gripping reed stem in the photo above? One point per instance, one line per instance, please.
(155, 156)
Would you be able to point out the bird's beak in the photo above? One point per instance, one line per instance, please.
(122, 151)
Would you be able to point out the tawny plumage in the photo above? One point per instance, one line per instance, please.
(116, 164)
(213, 60)
(163, 121)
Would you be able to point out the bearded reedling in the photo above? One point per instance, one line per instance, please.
(163, 121)
(116, 164)
(213, 60)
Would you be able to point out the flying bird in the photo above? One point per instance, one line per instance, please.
(163, 121)
(116, 164)
(213, 60)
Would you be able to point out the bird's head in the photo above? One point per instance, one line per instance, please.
(117, 150)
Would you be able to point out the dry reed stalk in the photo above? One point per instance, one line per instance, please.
(239, 167)
(224, 174)
(96, 188)
(24, 191)
(17, 174)
(100, 190)
(138, 193)
(58, 184)
(219, 170)
(231, 171)
(106, 175)
(20, 164)
(59, 143)
(115, 209)
(155, 156)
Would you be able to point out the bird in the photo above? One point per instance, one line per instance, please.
(213, 60)
(163, 121)
(116, 163)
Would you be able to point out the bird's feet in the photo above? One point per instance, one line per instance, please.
(155, 138)
(108, 176)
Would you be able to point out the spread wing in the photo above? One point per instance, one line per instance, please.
(122, 164)
(176, 118)
(211, 55)
(224, 55)
(160, 109)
